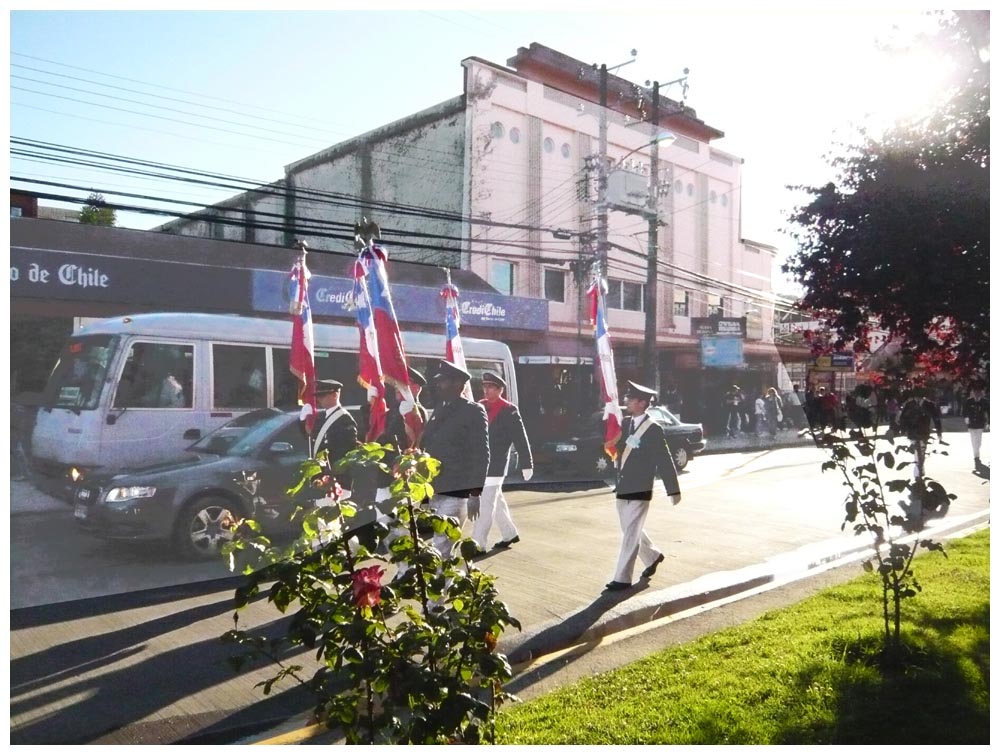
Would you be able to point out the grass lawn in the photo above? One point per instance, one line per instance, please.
(806, 674)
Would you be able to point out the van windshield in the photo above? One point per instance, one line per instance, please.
(80, 374)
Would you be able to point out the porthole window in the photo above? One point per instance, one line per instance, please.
(515, 135)
(713, 197)
(565, 150)
(548, 144)
(496, 130)
(725, 200)
(690, 190)
(678, 187)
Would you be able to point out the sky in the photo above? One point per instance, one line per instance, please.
(784, 85)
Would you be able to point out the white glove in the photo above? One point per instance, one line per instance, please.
(474, 507)
(526, 473)
(675, 499)
(372, 392)
(405, 407)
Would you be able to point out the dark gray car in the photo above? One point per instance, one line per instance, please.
(241, 470)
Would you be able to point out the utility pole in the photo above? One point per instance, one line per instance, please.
(650, 363)
(602, 176)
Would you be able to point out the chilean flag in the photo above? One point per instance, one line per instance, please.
(453, 341)
(391, 354)
(369, 368)
(301, 360)
(606, 361)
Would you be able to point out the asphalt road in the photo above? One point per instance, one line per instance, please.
(81, 671)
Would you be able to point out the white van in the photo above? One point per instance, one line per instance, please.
(132, 390)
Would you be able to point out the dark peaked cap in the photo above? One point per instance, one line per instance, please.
(416, 378)
(492, 377)
(450, 371)
(635, 390)
(327, 386)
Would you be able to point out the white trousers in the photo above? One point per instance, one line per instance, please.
(976, 436)
(446, 505)
(635, 542)
(493, 505)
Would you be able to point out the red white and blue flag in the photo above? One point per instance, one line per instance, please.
(391, 354)
(301, 360)
(606, 363)
(369, 368)
(453, 341)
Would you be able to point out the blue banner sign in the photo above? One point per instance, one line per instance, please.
(330, 297)
(721, 351)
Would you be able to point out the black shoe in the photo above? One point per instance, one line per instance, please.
(650, 570)
(478, 553)
(508, 543)
(615, 586)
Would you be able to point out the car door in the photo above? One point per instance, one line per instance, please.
(280, 459)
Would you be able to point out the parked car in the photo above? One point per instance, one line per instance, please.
(192, 501)
(581, 455)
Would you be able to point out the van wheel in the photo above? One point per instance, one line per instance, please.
(205, 525)
(681, 457)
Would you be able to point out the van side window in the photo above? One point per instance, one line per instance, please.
(156, 376)
(286, 385)
(239, 377)
(342, 366)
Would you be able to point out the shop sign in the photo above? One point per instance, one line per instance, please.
(331, 297)
(74, 276)
(719, 326)
(722, 352)
(841, 361)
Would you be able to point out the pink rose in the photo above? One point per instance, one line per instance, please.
(368, 586)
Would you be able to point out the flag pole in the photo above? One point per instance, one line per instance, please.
(302, 338)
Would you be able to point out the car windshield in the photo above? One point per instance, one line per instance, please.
(662, 415)
(79, 375)
(243, 435)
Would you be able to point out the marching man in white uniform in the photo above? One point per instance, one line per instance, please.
(642, 454)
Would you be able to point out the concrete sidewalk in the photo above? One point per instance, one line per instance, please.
(148, 667)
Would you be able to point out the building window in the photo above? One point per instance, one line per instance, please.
(565, 150)
(554, 285)
(715, 305)
(678, 186)
(15, 212)
(625, 295)
(725, 200)
(497, 130)
(515, 135)
(690, 190)
(502, 276)
(682, 302)
(548, 144)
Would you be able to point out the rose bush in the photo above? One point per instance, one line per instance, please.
(410, 660)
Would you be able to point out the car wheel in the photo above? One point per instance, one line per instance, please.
(205, 525)
(681, 457)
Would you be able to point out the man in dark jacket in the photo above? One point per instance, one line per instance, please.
(457, 436)
(338, 432)
(917, 415)
(642, 454)
(506, 429)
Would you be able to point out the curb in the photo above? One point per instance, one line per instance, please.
(610, 613)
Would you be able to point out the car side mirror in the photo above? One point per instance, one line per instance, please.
(281, 447)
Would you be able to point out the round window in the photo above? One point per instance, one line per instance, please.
(565, 150)
(725, 200)
(548, 144)
(678, 186)
(515, 135)
(690, 190)
(496, 130)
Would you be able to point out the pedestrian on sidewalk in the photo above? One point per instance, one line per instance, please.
(731, 406)
(916, 417)
(506, 429)
(760, 414)
(457, 436)
(977, 418)
(772, 411)
(642, 454)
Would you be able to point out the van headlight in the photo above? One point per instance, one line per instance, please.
(116, 495)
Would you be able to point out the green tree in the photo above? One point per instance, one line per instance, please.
(901, 236)
(97, 212)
